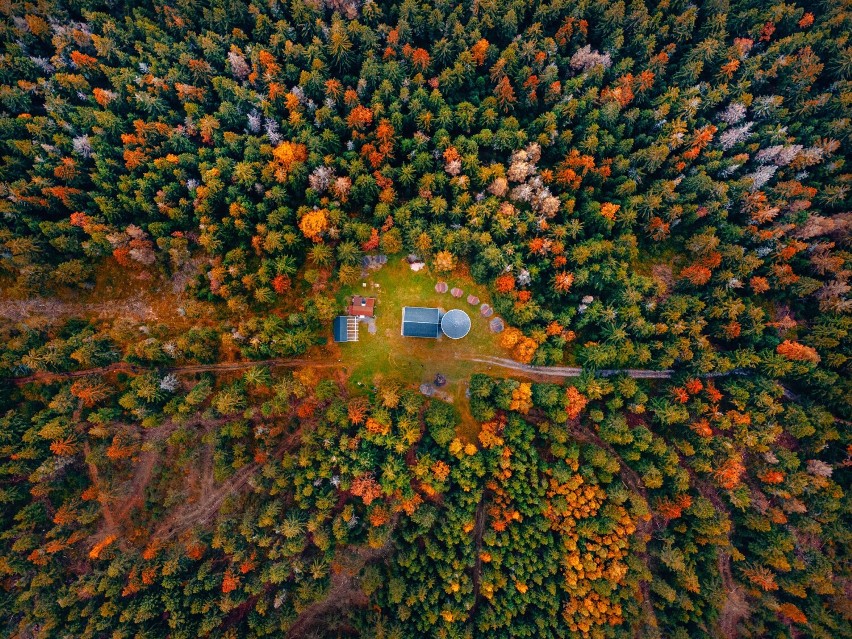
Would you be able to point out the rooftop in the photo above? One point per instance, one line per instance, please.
(360, 305)
(455, 323)
(345, 328)
(418, 321)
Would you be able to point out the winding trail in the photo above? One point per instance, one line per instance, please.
(561, 372)
(567, 371)
(132, 369)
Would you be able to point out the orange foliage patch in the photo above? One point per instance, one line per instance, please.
(376, 427)
(99, 547)
(792, 612)
(772, 477)
(440, 470)
(63, 448)
(672, 509)
(505, 283)
(521, 399)
(286, 157)
(608, 210)
(680, 395)
(696, 274)
(575, 402)
(728, 475)
(379, 516)
(694, 386)
(359, 118)
(230, 582)
(357, 410)
(702, 428)
(83, 60)
(366, 488)
(479, 51)
(281, 284)
(313, 224)
(797, 352)
(420, 59)
(563, 282)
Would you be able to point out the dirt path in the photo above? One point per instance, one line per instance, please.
(131, 369)
(344, 592)
(567, 371)
(478, 528)
(21, 310)
(735, 606)
(211, 495)
(202, 511)
(103, 498)
(278, 362)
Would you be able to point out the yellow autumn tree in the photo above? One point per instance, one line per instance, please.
(521, 399)
(445, 261)
(525, 350)
(510, 337)
(314, 223)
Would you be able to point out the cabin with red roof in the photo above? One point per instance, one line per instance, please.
(360, 306)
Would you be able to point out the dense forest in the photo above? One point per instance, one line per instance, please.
(640, 186)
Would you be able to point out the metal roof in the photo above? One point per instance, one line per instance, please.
(418, 321)
(455, 323)
(345, 328)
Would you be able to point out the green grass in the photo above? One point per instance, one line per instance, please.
(415, 360)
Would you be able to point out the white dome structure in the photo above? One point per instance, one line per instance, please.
(455, 323)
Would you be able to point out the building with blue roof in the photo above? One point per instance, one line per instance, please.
(419, 321)
(345, 328)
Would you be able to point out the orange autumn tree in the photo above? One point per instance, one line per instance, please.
(523, 348)
(521, 399)
(366, 488)
(281, 284)
(792, 612)
(99, 547)
(505, 94)
(376, 427)
(797, 352)
(697, 274)
(478, 51)
(730, 473)
(287, 156)
(608, 210)
(89, 392)
(445, 261)
(230, 582)
(63, 448)
(314, 223)
(357, 410)
(359, 118)
(505, 283)
(563, 281)
(575, 402)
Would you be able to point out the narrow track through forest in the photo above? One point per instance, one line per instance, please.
(562, 372)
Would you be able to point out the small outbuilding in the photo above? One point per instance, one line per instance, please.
(418, 321)
(455, 323)
(345, 328)
(360, 306)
